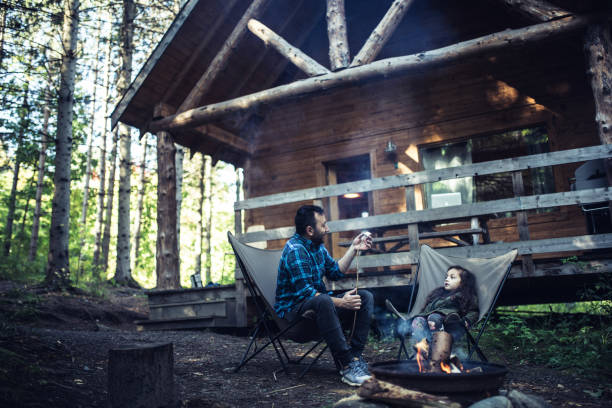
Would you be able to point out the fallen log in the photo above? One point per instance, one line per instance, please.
(395, 395)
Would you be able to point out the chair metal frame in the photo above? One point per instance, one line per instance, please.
(472, 342)
(268, 325)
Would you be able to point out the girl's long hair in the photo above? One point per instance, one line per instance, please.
(466, 292)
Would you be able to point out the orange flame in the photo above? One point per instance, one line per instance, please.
(445, 367)
(422, 348)
(419, 359)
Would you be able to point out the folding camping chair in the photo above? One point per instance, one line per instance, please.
(490, 273)
(259, 269)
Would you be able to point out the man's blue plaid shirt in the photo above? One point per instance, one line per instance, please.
(300, 273)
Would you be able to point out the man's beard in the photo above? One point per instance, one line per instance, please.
(318, 239)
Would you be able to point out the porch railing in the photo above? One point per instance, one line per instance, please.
(412, 217)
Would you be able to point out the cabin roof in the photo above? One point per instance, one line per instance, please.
(202, 27)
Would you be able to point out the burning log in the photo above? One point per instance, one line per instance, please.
(386, 392)
(440, 352)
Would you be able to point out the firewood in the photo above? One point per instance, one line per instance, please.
(388, 393)
(440, 350)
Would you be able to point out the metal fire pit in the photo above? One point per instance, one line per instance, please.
(406, 374)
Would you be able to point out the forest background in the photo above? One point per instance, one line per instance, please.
(113, 40)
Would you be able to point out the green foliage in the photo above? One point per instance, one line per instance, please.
(18, 269)
(568, 341)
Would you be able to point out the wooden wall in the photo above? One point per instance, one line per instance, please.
(545, 84)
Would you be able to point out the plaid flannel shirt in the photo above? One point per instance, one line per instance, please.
(300, 273)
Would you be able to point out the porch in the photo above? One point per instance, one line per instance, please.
(559, 264)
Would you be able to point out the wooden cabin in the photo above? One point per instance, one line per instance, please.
(475, 126)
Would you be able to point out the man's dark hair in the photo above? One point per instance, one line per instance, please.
(305, 216)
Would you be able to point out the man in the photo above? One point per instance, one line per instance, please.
(300, 287)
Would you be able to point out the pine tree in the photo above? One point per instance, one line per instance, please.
(58, 267)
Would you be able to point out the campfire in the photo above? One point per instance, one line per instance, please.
(441, 360)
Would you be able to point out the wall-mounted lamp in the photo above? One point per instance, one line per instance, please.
(391, 152)
(352, 195)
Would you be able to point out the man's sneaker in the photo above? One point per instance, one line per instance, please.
(353, 374)
(363, 364)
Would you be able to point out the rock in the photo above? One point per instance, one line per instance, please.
(493, 402)
(355, 401)
(520, 400)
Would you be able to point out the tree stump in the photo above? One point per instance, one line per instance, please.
(141, 376)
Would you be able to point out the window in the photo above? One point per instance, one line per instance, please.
(479, 149)
(346, 170)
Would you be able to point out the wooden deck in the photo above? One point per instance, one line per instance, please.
(542, 262)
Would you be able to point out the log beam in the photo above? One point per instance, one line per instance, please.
(225, 137)
(196, 54)
(339, 56)
(598, 50)
(539, 10)
(381, 34)
(256, 63)
(293, 54)
(205, 82)
(386, 67)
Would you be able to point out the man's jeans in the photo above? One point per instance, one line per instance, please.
(330, 320)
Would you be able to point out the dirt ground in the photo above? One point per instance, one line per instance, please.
(54, 353)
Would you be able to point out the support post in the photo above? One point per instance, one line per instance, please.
(474, 224)
(598, 50)
(336, 32)
(413, 229)
(522, 223)
(166, 256)
(381, 34)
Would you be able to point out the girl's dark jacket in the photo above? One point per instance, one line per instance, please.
(448, 303)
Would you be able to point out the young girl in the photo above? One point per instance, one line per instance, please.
(456, 300)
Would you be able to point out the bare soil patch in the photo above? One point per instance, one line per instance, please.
(54, 352)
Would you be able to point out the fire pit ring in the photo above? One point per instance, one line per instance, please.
(406, 374)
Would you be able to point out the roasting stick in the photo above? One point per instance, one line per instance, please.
(365, 234)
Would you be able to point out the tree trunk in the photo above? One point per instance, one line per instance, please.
(598, 49)
(141, 376)
(24, 217)
(101, 188)
(42, 157)
(166, 256)
(200, 237)
(90, 137)
(179, 159)
(10, 216)
(141, 194)
(123, 274)
(106, 235)
(58, 265)
(2, 30)
(209, 201)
